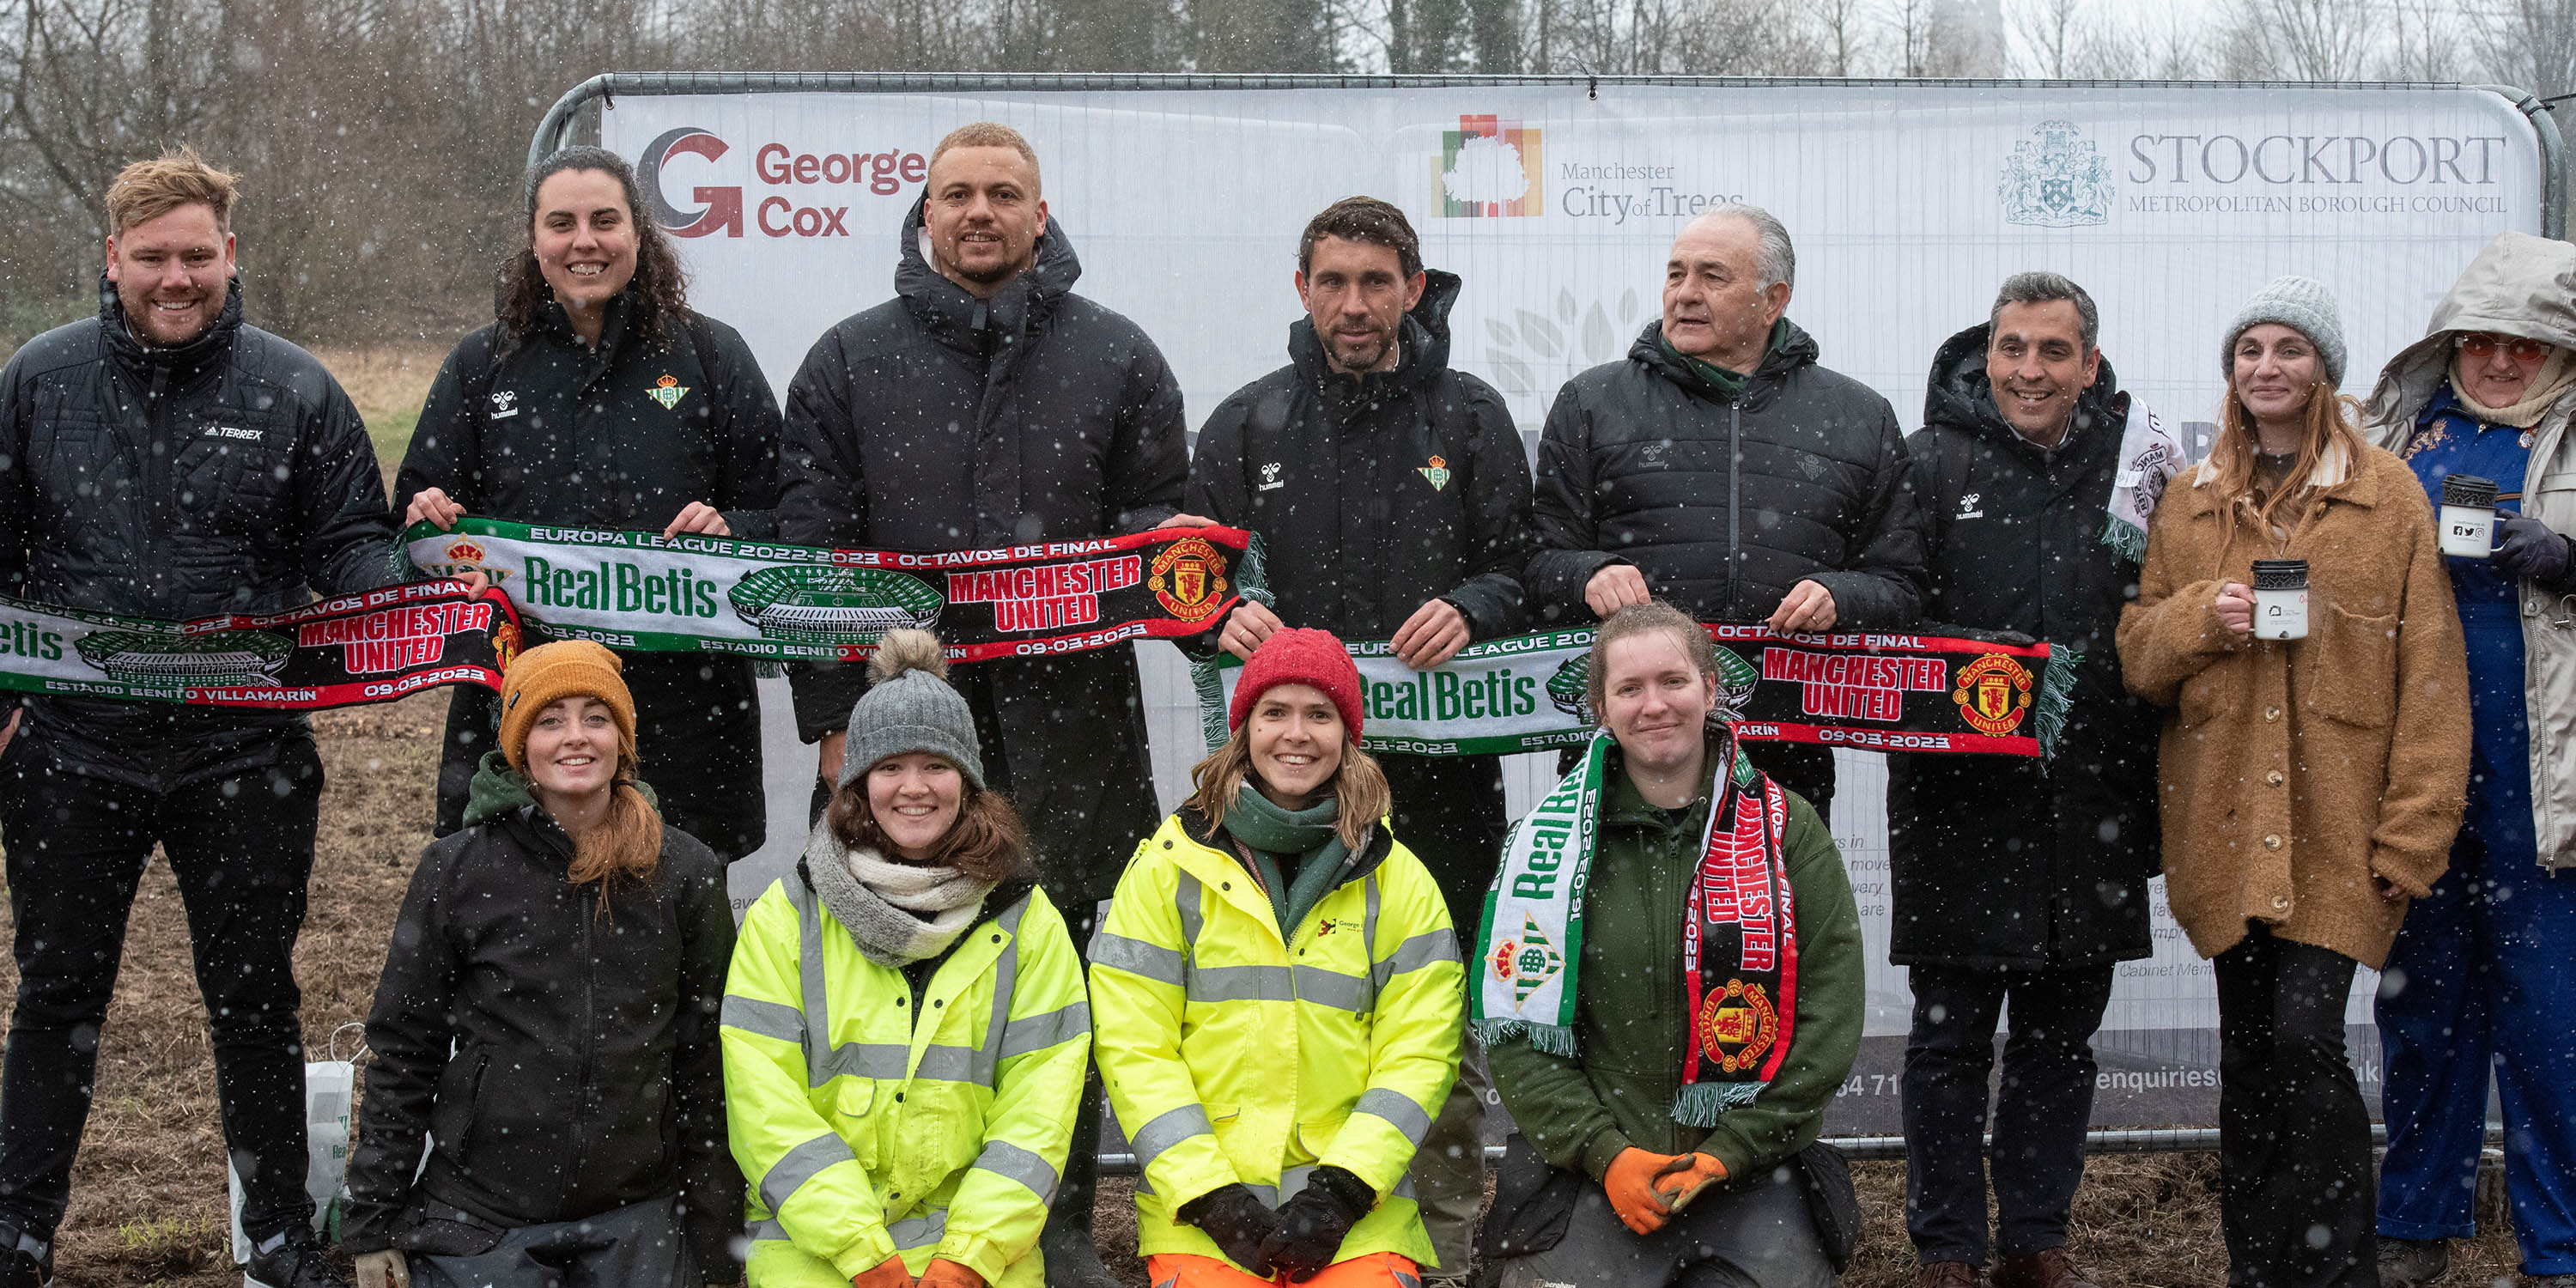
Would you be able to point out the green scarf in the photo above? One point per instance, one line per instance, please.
(1724, 382)
(1307, 837)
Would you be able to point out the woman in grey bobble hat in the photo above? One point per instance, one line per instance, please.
(2309, 780)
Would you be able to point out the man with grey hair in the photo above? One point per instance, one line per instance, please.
(2015, 881)
(1719, 468)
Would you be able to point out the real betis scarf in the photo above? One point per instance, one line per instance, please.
(1739, 940)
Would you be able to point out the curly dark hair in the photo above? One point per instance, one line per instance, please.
(660, 291)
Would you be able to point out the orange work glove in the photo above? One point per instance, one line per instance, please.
(1678, 1185)
(1631, 1186)
(888, 1273)
(944, 1273)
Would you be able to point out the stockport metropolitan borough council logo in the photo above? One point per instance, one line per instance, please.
(2056, 180)
(1489, 169)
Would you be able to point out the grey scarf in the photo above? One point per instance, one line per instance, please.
(897, 913)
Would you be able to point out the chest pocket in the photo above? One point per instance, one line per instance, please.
(1318, 985)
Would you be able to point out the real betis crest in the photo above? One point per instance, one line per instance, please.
(1437, 472)
(667, 391)
(1529, 962)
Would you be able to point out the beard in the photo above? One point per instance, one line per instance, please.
(1366, 354)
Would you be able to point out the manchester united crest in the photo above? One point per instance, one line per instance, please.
(1737, 1025)
(1188, 579)
(1993, 694)
(505, 642)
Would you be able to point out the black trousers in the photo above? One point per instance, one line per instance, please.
(2039, 1117)
(241, 848)
(2293, 1134)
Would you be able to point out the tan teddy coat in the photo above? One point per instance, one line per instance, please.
(2291, 772)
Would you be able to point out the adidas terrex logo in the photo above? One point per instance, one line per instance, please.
(235, 431)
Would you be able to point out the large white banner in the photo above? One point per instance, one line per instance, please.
(1556, 203)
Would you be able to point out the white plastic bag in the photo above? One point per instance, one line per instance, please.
(329, 1086)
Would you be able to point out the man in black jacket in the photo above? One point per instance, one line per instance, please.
(1392, 497)
(1720, 469)
(987, 405)
(2015, 879)
(168, 461)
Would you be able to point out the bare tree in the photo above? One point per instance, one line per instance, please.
(2302, 40)
(2529, 43)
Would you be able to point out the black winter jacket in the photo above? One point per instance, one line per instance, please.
(1375, 494)
(226, 475)
(541, 428)
(1998, 861)
(938, 422)
(585, 1073)
(1726, 505)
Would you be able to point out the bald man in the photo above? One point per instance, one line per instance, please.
(1720, 469)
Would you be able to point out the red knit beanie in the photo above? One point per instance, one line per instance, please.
(1300, 656)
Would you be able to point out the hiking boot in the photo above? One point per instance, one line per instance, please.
(2049, 1268)
(1948, 1274)
(1072, 1258)
(25, 1260)
(292, 1258)
(2413, 1263)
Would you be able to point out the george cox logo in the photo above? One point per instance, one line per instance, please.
(2056, 180)
(1490, 169)
(720, 208)
(780, 214)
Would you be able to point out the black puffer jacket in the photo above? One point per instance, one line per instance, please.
(1999, 861)
(584, 1074)
(937, 422)
(226, 475)
(542, 428)
(1724, 505)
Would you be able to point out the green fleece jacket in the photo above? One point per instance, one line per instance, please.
(1631, 1021)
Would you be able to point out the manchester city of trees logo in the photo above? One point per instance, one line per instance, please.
(2056, 180)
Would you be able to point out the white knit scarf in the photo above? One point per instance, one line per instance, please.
(897, 913)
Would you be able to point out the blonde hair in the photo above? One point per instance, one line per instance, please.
(988, 134)
(2327, 421)
(1359, 786)
(147, 190)
(627, 842)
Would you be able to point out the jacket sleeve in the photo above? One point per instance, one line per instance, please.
(823, 502)
(711, 1186)
(750, 437)
(1883, 585)
(17, 491)
(1136, 1004)
(1561, 509)
(1149, 456)
(2428, 754)
(795, 1161)
(1786, 1115)
(409, 1030)
(446, 449)
(1001, 1203)
(1498, 511)
(1555, 1106)
(2169, 633)
(347, 534)
(1217, 488)
(1413, 1030)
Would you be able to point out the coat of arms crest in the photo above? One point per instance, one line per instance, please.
(2056, 180)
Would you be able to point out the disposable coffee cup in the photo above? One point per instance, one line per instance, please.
(2280, 599)
(2468, 516)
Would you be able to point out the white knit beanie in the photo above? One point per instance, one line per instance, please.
(2302, 304)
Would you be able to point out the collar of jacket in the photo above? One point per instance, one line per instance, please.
(498, 790)
(1959, 396)
(997, 900)
(1196, 826)
(981, 327)
(556, 324)
(1791, 348)
(182, 360)
(2357, 486)
(1422, 337)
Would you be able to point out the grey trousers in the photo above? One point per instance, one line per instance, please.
(1449, 1168)
(1754, 1233)
(631, 1247)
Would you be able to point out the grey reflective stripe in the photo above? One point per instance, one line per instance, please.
(1169, 1128)
(1241, 984)
(1038, 1032)
(1333, 988)
(1135, 956)
(886, 1061)
(769, 1229)
(816, 998)
(1398, 1109)
(1188, 897)
(1425, 949)
(798, 1166)
(1006, 981)
(768, 1019)
(919, 1231)
(1404, 1188)
(1268, 1194)
(1368, 934)
(1002, 1158)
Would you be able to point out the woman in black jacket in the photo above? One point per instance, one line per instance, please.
(598, 399)
(547, 1020)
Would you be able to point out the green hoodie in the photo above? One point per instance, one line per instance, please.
(498, 789)
(1632, 1022)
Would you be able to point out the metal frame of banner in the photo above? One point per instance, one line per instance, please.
(557, 124)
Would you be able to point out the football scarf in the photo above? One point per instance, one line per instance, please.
(2149, 458)
(1739, 937)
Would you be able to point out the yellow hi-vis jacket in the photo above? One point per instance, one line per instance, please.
(865, 1130)
(1233, 1056)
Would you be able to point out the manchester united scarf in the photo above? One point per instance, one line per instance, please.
(1739, 933)
(762, 599)
(372, 647)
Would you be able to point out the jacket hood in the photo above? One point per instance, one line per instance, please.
(963, 321)
(1423, 333)
(1795, 349)
(1958, 395)
(2518, 285)
(498, 790)
(203, 351)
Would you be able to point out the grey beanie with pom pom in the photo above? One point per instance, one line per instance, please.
(909, 707)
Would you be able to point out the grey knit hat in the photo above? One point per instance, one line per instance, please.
(2302, 304)
(909, 707)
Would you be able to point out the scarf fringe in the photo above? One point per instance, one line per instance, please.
(1553, 1039)
(2126, 539)
(2056, 698)
(1698, 1104)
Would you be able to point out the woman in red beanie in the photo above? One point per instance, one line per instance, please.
(1276, 995)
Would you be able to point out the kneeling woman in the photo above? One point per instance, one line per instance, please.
(1674, 1003)
(547, 1019)
(1278, 989)
(904, 1030)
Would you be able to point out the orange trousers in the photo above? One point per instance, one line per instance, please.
(1376, 1270)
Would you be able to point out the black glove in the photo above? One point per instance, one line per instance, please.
(1312, 1225)
(1239, 1224)
(2526, 548)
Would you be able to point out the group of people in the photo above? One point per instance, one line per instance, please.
(1300, 992)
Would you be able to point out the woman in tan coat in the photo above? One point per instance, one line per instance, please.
(2309, 787)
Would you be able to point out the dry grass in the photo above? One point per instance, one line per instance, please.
(387, 383)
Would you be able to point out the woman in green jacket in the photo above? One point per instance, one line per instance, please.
(1668, 1010)
(904, 1028)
